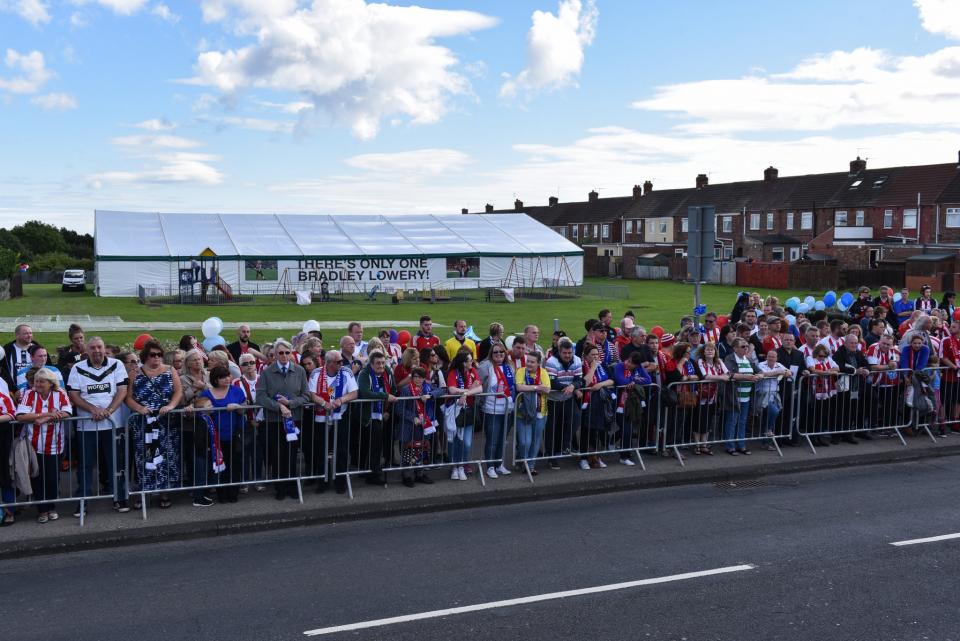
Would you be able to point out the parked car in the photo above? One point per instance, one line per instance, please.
(74, 279)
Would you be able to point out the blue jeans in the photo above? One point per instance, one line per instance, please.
(773, 411)
(529, 434)
(493, 428)
(735, 427)
(96, 450)
(194, 447)
(462, 444)
(626, 435)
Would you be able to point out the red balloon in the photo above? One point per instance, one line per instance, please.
(956, 314)
(403, 337)
(657, 331)
(722, 320)
(141, 340)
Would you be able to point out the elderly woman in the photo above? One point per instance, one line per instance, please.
(45, 405)
(154, 393)
(220, 356)
(174, 358)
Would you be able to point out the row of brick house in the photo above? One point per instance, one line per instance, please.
(859, 219)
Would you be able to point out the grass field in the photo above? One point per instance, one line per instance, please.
(653, 302)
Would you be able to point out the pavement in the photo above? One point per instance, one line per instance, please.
(89, 323)
(261, 511)
(798, 556)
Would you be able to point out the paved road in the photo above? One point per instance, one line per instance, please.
(818, 543)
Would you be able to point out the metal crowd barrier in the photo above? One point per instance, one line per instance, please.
(946, 416)
(85, 467)
(397, 441)
(701, 414)
(227, 450)
(569, 430)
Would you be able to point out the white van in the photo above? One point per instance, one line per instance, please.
(74, 279)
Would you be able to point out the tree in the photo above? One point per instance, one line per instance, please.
(9, 241)
(39, 237)
(8, 263)
(79, 245)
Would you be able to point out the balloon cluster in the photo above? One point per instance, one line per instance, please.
(830, 300)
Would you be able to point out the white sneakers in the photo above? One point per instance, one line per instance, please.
(503, 471)
(626, 461)
(457, 474)
(600, 463)
(492, 473)
(584, 465)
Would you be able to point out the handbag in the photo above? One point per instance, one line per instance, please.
(528, 405)
(686, 397)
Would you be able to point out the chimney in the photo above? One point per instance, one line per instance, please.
(770, 174)
(637, 192)
(518, 205)
(702, 181)
(464, 211)
(593, 196)
(552, 201)
(858, 165)
(647, 188)
(488, 208)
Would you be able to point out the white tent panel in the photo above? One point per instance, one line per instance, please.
(315, 236)
(202, 231)
(121, 278)
(376, 236)
(128, 234)
(252, 233)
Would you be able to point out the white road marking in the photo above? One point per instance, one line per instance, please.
(524, 600)
(929, 539)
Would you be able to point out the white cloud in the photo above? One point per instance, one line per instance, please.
(163, 12)
(33, 11)
(940, 16)
(163, 160)
(418, 161)
(825, 92)
(55, 102)
(360, 63)
(555, 45)
(32, 70)
(287, 107)
(78, 20)
(156, 124)
(120, 7)
(253, 124)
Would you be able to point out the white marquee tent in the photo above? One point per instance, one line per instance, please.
(348, 252)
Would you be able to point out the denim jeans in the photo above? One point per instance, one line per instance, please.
(773, 411)
(462, 444)
(493, 428)
(529, 434)
(735, 427)
(96, 450)
(195, 447)
(626, 435)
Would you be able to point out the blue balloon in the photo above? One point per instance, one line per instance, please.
(897, 297)
(791, 319)
(792, 302)
(394, 336)
(841, 307)
(212, 341)
(803, 308)
(810, 300)
(847, 299)
(819, 306)
(830, 299)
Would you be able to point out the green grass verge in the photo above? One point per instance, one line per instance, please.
(653, 302)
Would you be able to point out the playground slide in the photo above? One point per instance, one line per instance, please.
(224, 287)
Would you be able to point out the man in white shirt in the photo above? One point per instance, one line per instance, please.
(97, 386)
(332, 387)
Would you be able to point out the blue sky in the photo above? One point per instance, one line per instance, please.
(342, 106)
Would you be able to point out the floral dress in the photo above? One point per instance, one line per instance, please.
(157, 452)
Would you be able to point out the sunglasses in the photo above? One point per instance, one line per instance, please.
(155, 355)
(282, 353)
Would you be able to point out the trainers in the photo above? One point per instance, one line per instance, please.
(203, 501)
(463, 474)
(600, 463)
(244, 489)
(43, 518)
(77, 512)
(260, 488)
(492, 473)
(503, 471)
(554, 465)
(626, 461)
(455, 474)
(53, 515)
(584, 465)
(121, 506)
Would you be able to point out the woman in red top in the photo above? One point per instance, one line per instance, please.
(681, 374)
(463, 381)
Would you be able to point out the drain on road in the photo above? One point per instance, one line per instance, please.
(740, 485)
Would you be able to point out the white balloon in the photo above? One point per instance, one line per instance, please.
(311, 326)
(509, 341)
(211, 327)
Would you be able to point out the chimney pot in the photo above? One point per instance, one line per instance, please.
(518, 205)
(593, 196)
(488, 208)
(702, 181)
(553, 200)
(858, 165)
(770, 174)
(464, 211)
(647, 188)
(637, 192)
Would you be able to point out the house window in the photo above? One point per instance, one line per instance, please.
(651, 227)
(728, 224)
(789, 220)
(596, 231)
(806, 220)
(606, 231)
(684, 224)
(888, 219)
(840, 219)
(576, 230)
(953, 217)
(663, 228)
(776, 254)
(728, 253)
(770, 221)
(754, 221)
(859, 221)
(629, 226)
(909, 218)
(563, 231)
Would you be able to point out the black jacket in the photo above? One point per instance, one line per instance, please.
(234, 349)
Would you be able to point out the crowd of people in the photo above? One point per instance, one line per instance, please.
(247, 417)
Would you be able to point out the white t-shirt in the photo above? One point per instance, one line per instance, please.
(348, 383)
(98, 387)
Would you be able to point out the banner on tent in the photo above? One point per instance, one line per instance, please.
(365, 270)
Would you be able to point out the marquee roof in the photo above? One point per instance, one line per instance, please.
(159, 236)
